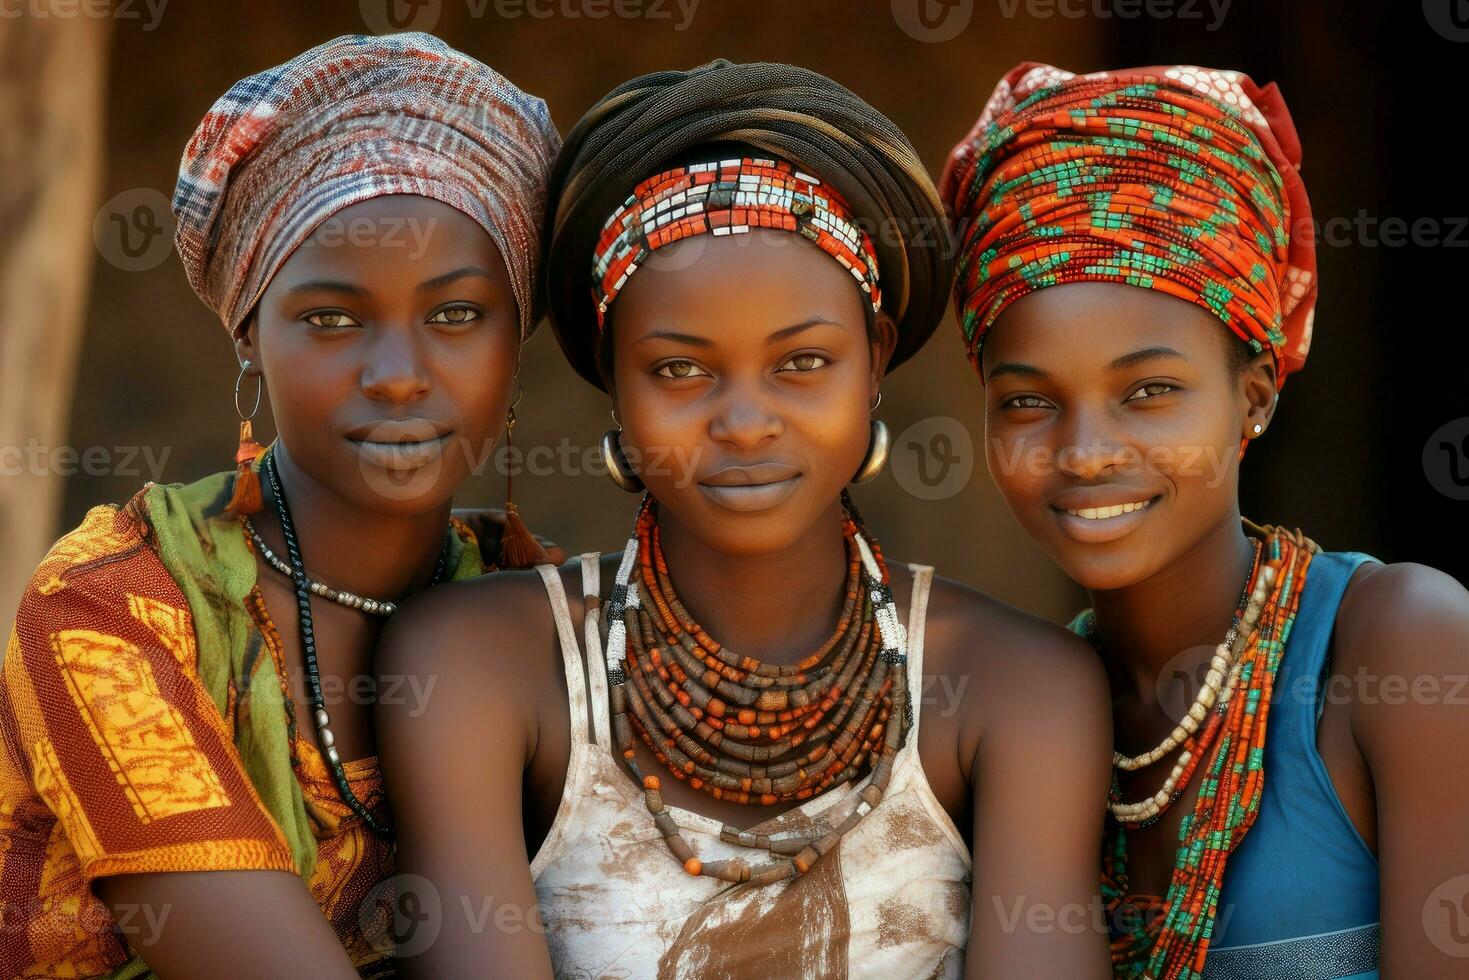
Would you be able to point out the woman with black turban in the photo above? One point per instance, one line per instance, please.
(737, 255)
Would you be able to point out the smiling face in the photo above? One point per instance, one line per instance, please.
(1113, 423)
(743, 372)
(388, 343)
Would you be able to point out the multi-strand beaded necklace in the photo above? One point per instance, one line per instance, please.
(1169, 939)
(753, 732)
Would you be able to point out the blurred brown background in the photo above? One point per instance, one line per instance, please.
(103, 347)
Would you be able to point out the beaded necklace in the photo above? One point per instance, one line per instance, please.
(743, 730)
(303, 585)
(1168, 939)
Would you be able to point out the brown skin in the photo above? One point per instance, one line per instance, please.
(376, 346)
(752, 352)
(1066, 379)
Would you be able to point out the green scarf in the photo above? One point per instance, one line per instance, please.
(204, 551)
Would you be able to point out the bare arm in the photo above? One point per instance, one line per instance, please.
(1408, 626)
(192, 923)
(1039, 781)
(454, 764)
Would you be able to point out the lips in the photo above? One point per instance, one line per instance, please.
(400, 444)
(751, 488)
(1096, 515)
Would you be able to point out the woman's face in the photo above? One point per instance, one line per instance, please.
(743, 375)
(1113, 419)
(388, 343)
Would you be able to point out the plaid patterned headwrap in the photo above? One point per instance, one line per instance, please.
(729, 197)
(353, 119)
(1181, 179)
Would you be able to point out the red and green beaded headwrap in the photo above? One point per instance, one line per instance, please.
(728, 197)
(1179, 179)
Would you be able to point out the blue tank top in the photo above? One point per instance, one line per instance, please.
(1299, 897)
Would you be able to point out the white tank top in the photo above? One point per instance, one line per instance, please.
(891, 900)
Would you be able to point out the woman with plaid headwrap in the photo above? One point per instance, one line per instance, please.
(183, 718)
(1109, 224)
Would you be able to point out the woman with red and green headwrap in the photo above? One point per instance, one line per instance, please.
(1273, 811)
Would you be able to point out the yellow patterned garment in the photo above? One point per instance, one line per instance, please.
(115, 758)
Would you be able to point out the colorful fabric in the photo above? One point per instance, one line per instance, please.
(1180, 179)
(721, 111)
(1169, 939)
(728, 197)
(353, 119)
(146, 725)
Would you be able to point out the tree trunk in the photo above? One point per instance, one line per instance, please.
(53, 73)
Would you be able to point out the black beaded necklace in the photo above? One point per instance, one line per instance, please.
(308, 646)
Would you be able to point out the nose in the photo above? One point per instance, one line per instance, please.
(394, 370)
(743, 420)
(1089, 445)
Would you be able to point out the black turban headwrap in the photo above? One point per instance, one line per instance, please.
(793, 114)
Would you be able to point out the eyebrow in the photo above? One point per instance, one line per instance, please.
(1141, 356)
(1120, 364)
(327, 285)
(696, 341)
(457, 274)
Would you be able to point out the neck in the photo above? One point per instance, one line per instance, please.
(1190, 603)
(380, 556)
(776, 607)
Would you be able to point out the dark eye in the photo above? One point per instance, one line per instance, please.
(331, 320)
(1149, 390)
(806, 361)
(1025, 401)
(680, 369)
(455, 315)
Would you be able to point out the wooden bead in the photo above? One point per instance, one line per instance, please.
(693, 866)
(650, 782)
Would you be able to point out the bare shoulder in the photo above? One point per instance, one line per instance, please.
(1402, 635)
(1022, 673)
(1015, 651)
(1403, 616)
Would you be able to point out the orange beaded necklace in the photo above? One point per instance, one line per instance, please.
(743, 730)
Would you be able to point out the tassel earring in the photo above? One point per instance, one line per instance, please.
(246, 498)
(518, 547)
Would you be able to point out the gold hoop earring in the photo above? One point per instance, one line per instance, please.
(878, 448)
(618, 468)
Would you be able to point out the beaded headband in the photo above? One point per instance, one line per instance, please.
(728, 197)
